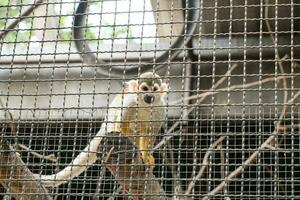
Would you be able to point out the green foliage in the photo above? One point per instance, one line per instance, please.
(90, 35)
(2, 24)
(11, 37)
(12, 10)
(65, 35)
(62, 20)
(9, 10)
(117, 31)
(3, 2)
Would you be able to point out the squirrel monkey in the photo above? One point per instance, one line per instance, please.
(142, 120)
(138, 114)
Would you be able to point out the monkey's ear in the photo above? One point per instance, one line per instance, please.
(132, 86)
(164, 87)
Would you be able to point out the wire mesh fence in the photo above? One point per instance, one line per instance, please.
(82, 119)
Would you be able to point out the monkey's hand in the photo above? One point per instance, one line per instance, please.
(147, 157)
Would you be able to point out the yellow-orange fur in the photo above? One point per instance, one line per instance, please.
(140, 122)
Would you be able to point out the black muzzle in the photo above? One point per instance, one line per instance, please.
(149, 98)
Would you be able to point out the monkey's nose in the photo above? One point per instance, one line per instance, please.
(149, 98)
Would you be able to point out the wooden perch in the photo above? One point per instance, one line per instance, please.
(129, 170)
(17, 178)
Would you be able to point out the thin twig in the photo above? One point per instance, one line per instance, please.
(271, 147)
(169, 134)
(200, 98)
(287, 127)
(296, 64)
(14, 23)
(102, 173)
(281, 71)
(280, 63)
(269, 169)
(252, 157)
(213, 88)
(13, 130)
(50, 157)
(9, 118)
(204, 165)
(266, 144)
(234, 87)
(15, 176)
(118, 190)
(222, 162)
(171, 164)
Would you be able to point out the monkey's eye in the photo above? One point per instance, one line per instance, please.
(144, 88)
(155, 88)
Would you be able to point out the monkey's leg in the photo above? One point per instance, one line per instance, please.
(147, 157)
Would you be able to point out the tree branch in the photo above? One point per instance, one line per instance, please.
(50, 157)
(17, 178)
(204, 164)
(169, 134)
(253, 156)
(129, 170)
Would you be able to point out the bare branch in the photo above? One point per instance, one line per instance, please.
(112, 197)
(268, 142)
(129, 170)
(253, 156)
(50, 157)
(234, 87)
(171, 163)
(287, 127)
(204, 164)
(14, 174)
(271, 147)
(213, 88)
(222, 159)
(169, 134)
(9, 118)
(185, 114)
(102, 173)
(17, 178)
(297, 64)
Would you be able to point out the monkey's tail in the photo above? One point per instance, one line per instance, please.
(89, 155)
(85, 159)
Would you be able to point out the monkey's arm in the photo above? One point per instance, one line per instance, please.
(144, 147)
(146, 144)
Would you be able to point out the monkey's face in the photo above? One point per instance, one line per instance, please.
(151, 93)
(149, 89)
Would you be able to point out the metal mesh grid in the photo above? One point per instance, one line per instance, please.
(231, 129)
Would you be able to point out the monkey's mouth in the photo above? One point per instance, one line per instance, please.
(149, 98)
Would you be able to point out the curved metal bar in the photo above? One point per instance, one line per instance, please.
(103, 68)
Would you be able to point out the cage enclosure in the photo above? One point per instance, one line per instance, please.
(231, 129)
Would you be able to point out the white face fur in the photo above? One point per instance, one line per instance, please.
(148, 95)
